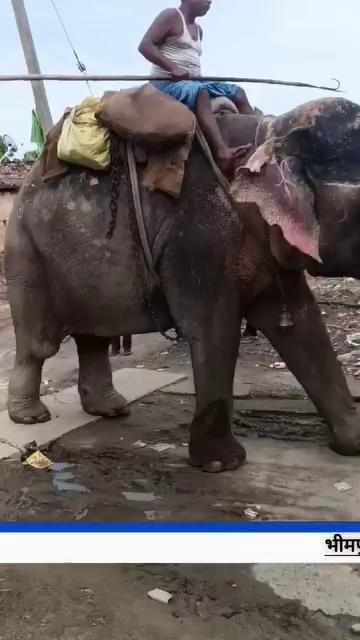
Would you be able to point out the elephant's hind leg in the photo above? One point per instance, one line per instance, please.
(97, 393)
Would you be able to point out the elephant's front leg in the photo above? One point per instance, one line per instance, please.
(214, 350)
(308, 353)
(97, 393)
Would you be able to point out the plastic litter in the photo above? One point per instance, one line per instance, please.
(38, 461)
(342, 486)
(353, 340)
(134, 496)
(140, 444)
(356, 629)
(278, 365)
(250, 513)
(160, 596)
(162, 447)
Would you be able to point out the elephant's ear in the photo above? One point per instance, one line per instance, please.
(280, 190)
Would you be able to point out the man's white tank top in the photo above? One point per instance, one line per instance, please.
(184, 52)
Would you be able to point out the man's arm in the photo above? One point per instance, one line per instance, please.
(161, 29)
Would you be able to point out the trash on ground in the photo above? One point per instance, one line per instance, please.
(160, 596)
(139, 444)
(353, 340)
(82, 515)
(164, 353)
(134, 496)
(342, 486)
(65, 485)
(278, 365)
(161, 447)
(150, 515)
(356, 629)
(140, 366)
(37, 460)
(250, 513)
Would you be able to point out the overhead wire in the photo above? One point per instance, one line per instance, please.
(80, 65)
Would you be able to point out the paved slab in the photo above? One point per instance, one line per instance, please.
(334, 590)
(67, 412)
(257, 381)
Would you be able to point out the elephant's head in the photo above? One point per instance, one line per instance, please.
(305, 180)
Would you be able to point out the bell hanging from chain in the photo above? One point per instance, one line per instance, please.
(286, 319)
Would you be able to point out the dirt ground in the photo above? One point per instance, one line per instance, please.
(93, 603)
(101, 475)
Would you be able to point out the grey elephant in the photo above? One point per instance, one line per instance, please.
(298, 206)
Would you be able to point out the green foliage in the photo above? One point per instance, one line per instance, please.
(30, 156)
(2, 147)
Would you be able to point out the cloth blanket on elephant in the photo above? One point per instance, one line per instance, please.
(160, 128)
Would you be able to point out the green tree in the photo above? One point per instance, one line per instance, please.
(3, 148)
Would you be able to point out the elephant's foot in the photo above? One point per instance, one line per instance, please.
(346, 440)
(109, 405)
(33, 413)
(212, 446)
(217, 455)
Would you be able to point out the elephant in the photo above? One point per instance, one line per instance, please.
(220, 258)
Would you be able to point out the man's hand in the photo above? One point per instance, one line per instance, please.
(178, 74)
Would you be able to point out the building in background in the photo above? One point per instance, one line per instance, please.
(11, 177)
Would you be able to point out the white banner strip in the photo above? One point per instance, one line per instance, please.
(179, 548)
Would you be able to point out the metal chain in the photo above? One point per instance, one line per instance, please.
(115, 153)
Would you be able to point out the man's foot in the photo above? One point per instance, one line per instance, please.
(227, 158)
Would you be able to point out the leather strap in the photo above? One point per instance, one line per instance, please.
(134, 180)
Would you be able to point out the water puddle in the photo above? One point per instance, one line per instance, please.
(62, 477)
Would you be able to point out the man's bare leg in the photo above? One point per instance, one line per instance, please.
(241, 102)
(225, 156)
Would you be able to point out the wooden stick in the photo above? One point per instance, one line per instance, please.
(111, 78)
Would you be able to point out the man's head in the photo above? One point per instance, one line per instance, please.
(197, 8)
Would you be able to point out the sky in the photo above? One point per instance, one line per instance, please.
(301, 40)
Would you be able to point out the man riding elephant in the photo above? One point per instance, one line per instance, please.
(173, 44)
(219, 258)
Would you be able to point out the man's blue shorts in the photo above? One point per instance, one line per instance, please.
(186, 91)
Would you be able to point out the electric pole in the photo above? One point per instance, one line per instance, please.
(27, 42)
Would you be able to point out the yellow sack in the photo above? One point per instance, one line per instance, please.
(83, 140)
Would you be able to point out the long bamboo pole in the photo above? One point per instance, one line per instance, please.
(130, 78)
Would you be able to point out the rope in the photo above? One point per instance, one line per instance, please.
(80, 65)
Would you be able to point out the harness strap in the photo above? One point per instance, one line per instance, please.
(139, 213)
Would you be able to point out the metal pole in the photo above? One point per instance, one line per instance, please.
(38, 87)
(133, 78)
